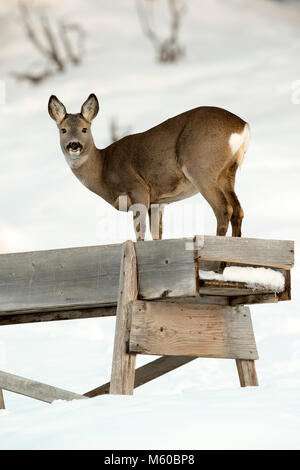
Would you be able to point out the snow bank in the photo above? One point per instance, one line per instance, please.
(157, 422)
(253, 277)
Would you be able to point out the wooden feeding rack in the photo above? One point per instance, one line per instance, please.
(162, 307)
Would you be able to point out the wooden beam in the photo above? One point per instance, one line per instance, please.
(2, 404)
(253, 299)
(274, 253)
(148, 372)
(166, 268)
(191, 330)
(123, 365)
(7, 319)
(88, 277)
(71, 278)
(199, 300)
(247, 372)
(96, 312)
(230, 288)
(34, 389)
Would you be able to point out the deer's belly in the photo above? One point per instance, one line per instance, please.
(183, 190)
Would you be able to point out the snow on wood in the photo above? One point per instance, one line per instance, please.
(253, 277)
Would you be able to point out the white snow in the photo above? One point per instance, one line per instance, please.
(175, 421)
(210, 275)
(253, 277)
(242, 55)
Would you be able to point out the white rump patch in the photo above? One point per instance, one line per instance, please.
(236, 141)
(253, 277)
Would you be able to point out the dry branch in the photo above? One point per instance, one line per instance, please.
(74, 56)
(52, 43)
(169, 49)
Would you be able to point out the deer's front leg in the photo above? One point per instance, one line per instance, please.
(139, 212)
(140, 199)
(136, 202)
(155, 218)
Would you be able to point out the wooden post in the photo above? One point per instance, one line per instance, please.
(247, 372)
(2, 404)
(123, 364)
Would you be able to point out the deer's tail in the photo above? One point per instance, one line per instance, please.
(239, 144)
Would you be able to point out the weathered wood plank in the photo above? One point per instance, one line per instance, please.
(108, 311)
(2, 403)
(59, 279)
(276, 253)
(123, 364)
(165, 269)
(200, 300)
(88, 277)
(247, 373)
(148, 372)
(15, 319)
(253, 299)
(34, 389)
(227, 291)
(191, 330)
(230, 288)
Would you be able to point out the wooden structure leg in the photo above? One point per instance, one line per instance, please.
(148, 372)
(247, 372)
(123, 364)
(2, 404)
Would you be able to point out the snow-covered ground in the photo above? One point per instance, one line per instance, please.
(241, 55)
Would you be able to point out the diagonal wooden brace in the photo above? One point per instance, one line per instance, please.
(2, 404)
(147, 372)
(34, 389)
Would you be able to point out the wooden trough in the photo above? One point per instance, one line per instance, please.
(162, 307)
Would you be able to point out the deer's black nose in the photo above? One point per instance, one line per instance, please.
(74, 146)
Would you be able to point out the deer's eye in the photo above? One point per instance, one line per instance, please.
(84, 130)
(63, 130)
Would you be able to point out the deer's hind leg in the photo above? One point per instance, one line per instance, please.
(222, 208)
(226, 181)
(211, 190)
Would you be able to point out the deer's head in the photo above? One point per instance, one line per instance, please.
(75, 129)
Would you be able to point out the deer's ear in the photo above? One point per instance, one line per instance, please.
(90, 108)
(56, 109)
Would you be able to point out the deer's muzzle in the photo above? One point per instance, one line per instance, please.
(74, 147)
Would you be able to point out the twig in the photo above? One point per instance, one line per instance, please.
(169, 49)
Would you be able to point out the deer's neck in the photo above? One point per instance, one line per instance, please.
(90, 172)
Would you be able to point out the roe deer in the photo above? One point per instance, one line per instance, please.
(196, 151)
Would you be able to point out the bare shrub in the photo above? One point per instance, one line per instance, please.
(53, 43)
(168, 49)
